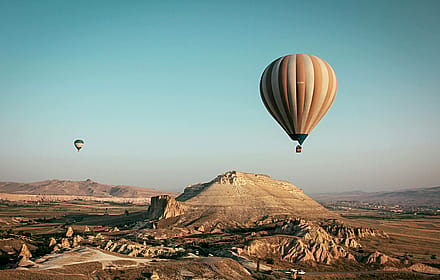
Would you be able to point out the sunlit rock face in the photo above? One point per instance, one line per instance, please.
(69, 232)
(24, 252)
(163, 207)
(244, 199)
(299, 241)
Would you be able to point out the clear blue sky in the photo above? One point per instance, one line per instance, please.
(166, 93)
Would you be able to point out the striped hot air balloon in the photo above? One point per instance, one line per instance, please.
(298, 90)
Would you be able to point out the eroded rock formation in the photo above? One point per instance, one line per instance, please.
(300, 241)
(133, 249)
(69, 232)
(24, 252)
(52, 242)
(163, 207)
(379, 258)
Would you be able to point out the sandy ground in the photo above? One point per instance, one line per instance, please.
(83, 255)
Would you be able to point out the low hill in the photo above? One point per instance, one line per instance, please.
(78, 188)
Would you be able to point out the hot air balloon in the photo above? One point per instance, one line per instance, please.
(78, 143)
(298, 90)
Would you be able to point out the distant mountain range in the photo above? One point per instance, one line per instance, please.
(417, 195)
(78, 188)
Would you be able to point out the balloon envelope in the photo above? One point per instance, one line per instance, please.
(78, 144)
(298, 90)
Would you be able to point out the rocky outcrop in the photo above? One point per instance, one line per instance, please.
(65, 243)
(231, 178)
(24, 256)
(52, 242)
(316, 246)
(69, 232)
(163, 207)
(343, 231)
(57, 248)
(77, 240)
(423, 268)
(24, 252)
(351, 243)
(133, 249)
(298, 240)
(379, 258)
(155, 276)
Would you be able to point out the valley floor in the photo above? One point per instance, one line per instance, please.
(416, 240)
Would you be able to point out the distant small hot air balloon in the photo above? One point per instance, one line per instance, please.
(78, 143)
(298, 90)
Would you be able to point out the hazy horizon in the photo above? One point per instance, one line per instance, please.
(180, 189)
(167, 94)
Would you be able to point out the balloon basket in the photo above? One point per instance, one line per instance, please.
(298, 149)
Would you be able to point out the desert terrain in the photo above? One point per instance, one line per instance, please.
(235, 226)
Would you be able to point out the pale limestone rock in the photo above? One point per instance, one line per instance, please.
(113, 247)
(423, 268)
(25, 262)
(134, 252)
(107, 245)
(56, 248)
(65, 243)
(379, 258)
(77, 240)
(24, 252)
(316, 246)
(155, 276)
(52, 242)
(231, 178)
(69, 232)
(350, 257)
(122, 248)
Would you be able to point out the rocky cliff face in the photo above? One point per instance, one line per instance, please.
(163, 207)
